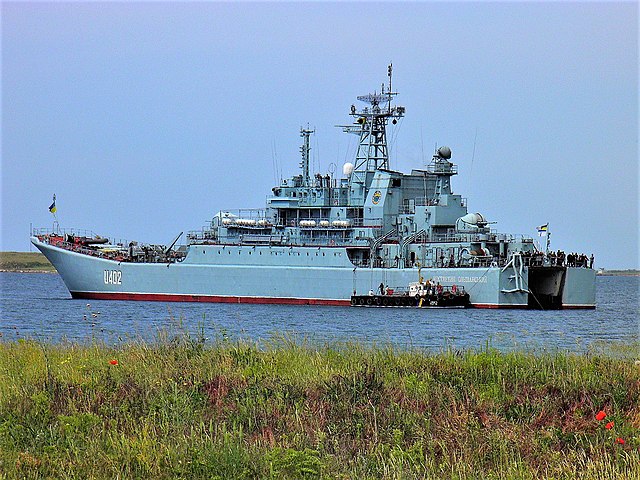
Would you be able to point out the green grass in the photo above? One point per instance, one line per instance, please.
(181, 408)
(24, 262)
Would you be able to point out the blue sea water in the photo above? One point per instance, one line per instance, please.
(39, 306)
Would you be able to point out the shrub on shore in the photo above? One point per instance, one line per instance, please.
(180, 408)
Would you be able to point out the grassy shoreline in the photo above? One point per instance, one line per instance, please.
(184, 408)
(25, 262)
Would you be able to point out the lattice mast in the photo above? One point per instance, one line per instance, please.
(371, 125)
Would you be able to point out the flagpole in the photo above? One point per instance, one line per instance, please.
(53, 209)
(546, 251)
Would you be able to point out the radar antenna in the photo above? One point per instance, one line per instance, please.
(371, 125)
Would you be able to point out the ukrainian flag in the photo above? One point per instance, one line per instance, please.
(52, 207)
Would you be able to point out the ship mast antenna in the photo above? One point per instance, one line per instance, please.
(390, 73)
(304, 150)
(370, 124)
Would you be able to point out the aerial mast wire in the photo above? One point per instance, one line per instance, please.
(389, 72)
(473, 156)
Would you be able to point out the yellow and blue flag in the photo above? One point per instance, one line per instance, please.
(52, 207)
(542, 229)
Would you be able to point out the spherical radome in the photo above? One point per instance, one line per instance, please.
(347, 168)
(444, 152)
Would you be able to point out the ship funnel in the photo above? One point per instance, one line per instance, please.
(347, 168)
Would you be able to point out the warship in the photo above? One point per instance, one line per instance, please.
(321, 239)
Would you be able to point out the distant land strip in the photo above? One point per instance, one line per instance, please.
(628, 273)
(35, 262)
(25, 262)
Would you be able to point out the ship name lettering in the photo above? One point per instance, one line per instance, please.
(444, 279)
(472, 279)
(113, 277)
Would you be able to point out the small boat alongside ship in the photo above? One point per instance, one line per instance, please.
(447, 297)
(421, 294)
(323, 237)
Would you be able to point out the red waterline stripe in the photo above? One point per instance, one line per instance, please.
(524, 307)
(172, 297)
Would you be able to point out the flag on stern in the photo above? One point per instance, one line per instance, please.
(542, 229)
(52, 207)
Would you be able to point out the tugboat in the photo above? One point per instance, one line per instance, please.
(322, 236)
(419, 294)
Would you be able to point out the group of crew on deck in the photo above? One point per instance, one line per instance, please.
(558, 259)
(561, 259)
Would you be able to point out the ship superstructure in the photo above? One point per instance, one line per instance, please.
(322, 238)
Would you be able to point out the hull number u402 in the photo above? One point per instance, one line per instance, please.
(113, 277)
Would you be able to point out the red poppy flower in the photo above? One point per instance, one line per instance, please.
(600, 415)
(620, 440)
(113, 362)
(609, 426)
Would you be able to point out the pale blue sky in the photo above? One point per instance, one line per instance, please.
(146, 119)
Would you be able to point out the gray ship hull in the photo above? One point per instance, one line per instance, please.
(310, 275)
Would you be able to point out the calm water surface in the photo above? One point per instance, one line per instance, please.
(39, 306)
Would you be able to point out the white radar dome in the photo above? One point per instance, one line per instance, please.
(347, 168)
(444, 152)
(474, 219)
